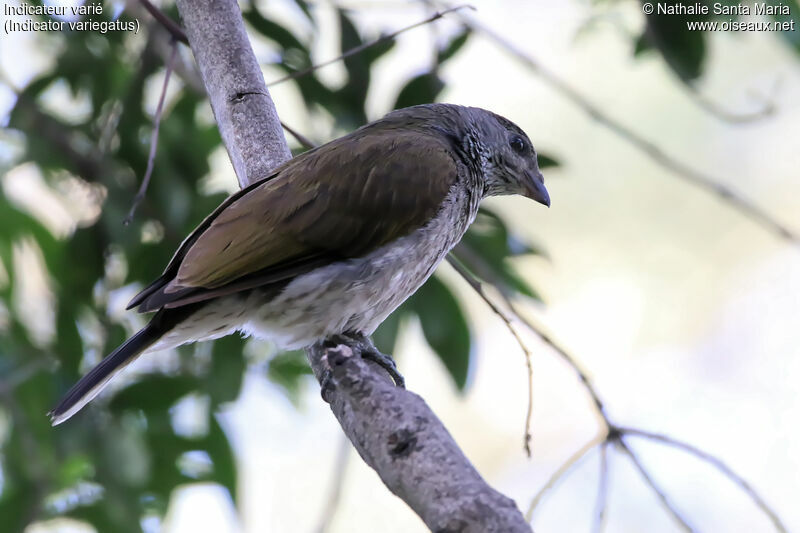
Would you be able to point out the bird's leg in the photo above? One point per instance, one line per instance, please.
(370, 353)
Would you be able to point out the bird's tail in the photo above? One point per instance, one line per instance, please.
(92, 383)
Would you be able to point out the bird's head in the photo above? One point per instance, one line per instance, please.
(498, 151)
(507, 157)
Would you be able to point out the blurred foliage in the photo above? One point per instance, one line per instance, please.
(684, 51)
(116, 464)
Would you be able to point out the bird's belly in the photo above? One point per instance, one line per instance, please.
(354, 296)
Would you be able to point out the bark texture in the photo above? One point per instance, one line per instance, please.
(245, 113)
(398, 435)
(394, 430)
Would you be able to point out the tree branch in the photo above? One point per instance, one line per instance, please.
(397, 434)
(242, 105)
(392, 429)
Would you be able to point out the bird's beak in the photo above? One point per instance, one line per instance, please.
(534, 188)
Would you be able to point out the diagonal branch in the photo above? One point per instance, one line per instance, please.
(397, 434)
(171, 26)
(659, 492)
(718, 464)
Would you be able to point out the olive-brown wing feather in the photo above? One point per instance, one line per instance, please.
(346, 200)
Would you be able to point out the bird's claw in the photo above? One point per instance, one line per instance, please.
(368, 353)
(387, 363)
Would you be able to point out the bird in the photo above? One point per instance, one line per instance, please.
(332, 241)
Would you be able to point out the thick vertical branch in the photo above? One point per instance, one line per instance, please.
(394, 431)
(242, 105)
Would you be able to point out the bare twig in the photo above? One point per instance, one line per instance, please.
(360, 48)
(718, 464)
(612, 433)
(171, 26)
(677, 167)
(478, 287)
(153, 138)
(662, 496)
(602, 491)
(713, 108)
(564, 469)
(302, 139)
(565, 355)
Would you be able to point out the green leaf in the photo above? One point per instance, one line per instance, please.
(287, 370)
(153, 394)
(219, 449)
(546, 161)
(76, 468)
(303, 5)
(422, 89)
(791, 37)
(445, 328)
(455, 44)
(273, 31)
(385, 337)
(683, 50)
(349, 104)
(227, 369)
(485, 250)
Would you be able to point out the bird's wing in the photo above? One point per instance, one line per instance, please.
(343, 201)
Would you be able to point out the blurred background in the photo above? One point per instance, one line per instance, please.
(681, 309)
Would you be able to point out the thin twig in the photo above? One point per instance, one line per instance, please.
(563, 470)
(478, 287)
(656, 154)
(615, 432)
(565, 355)
(717, 464)
(539, 331)
(302, 139)
(659, 492)
(732, 117)
(602, 491)
(364, 46)
(337, 483)
(153, 139)
(170, 25)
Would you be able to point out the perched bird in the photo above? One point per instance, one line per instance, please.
(334, 240)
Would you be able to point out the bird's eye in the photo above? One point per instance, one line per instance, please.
(517, 144)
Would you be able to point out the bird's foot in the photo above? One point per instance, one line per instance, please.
(326, 385)
(387, 363)
(369, 353)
